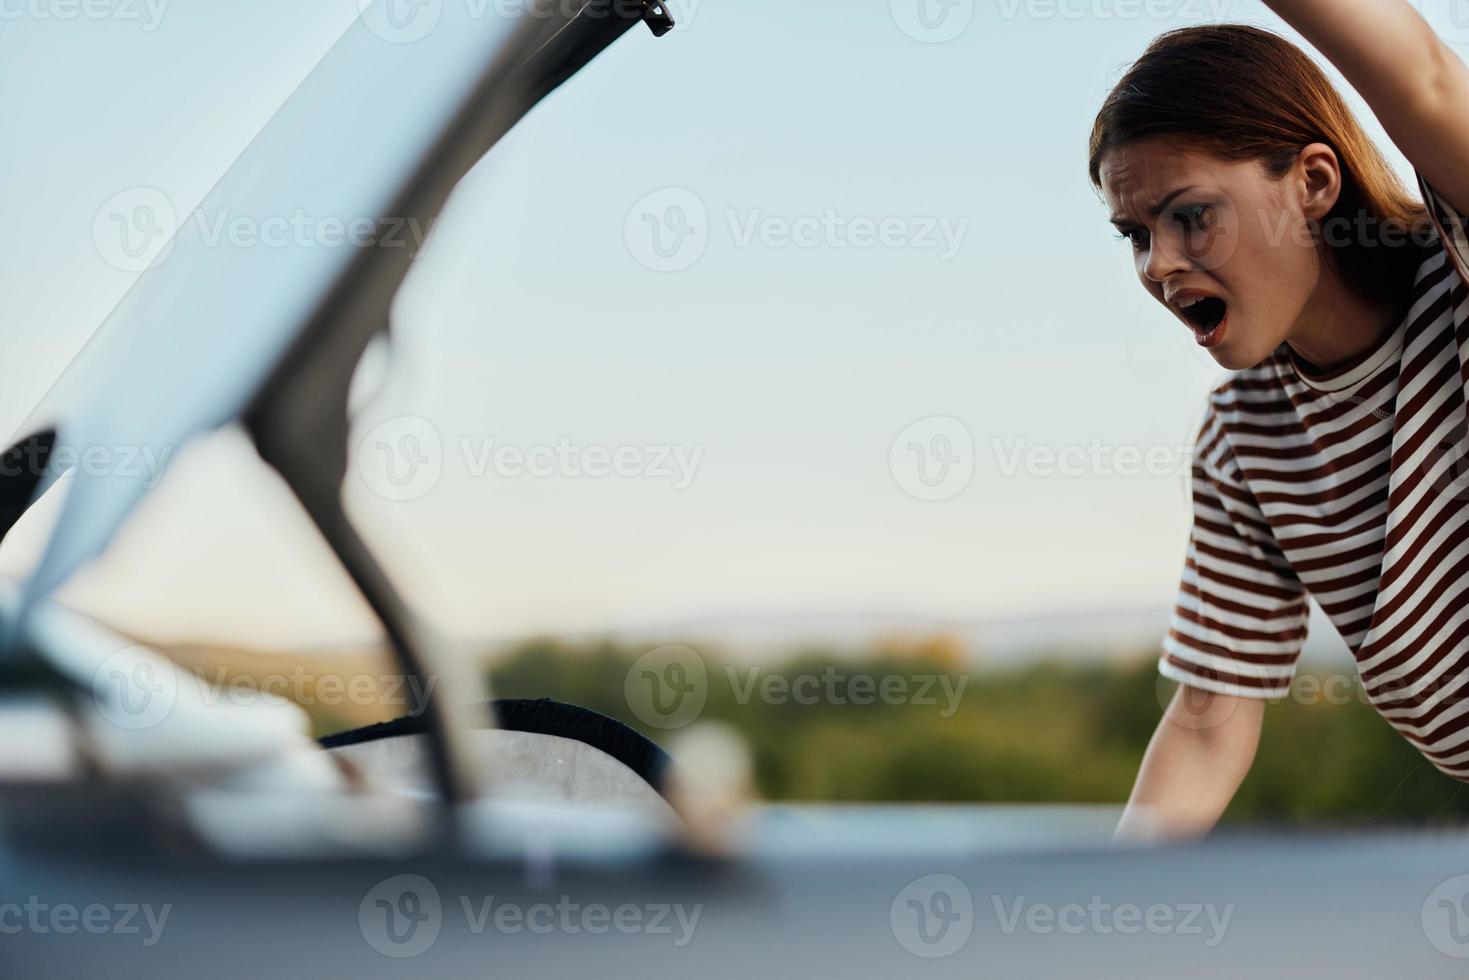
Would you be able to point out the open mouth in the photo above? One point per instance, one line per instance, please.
(1206, 314)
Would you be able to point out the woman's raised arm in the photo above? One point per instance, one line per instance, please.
(1414, 82)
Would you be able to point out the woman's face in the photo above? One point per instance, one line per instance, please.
(1224, 247)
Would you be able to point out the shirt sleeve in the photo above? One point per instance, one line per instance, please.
(1449, 224)
(1452, 233)
(1240, 620)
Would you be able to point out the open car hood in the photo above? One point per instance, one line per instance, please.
(218, 331)
(376, 136)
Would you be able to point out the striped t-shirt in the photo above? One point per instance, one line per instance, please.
(1351, 486)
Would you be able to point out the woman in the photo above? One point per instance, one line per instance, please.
(1329, 464)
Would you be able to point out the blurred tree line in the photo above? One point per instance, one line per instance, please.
(1052, 732)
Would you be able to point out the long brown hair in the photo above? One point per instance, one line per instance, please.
(1243, 93)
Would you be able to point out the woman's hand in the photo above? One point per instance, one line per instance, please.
(1415, 83)
(1198, 757)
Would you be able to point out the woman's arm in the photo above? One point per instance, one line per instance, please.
(1417, 86)
(1198, 757)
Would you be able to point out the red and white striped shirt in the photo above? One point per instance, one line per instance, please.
(1352, 487)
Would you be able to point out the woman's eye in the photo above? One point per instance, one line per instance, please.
(1196, 217)
(1137, 236)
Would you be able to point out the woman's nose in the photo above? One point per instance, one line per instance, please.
(1165, 258)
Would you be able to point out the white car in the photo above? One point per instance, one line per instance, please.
(146, 831)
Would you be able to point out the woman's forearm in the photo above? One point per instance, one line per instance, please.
(1195, 762)
(1384, 47)
(1415, 84)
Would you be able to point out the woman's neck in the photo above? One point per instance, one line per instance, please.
(1339, 324)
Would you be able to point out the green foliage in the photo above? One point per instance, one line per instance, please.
(1051, 732)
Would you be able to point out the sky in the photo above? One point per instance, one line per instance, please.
(800, 308)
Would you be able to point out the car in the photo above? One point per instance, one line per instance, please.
(148, 831)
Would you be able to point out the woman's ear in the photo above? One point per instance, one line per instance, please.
(1318, 173)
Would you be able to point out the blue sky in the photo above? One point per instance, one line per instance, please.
(885, 231)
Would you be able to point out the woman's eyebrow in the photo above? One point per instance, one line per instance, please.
(1156, 209)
